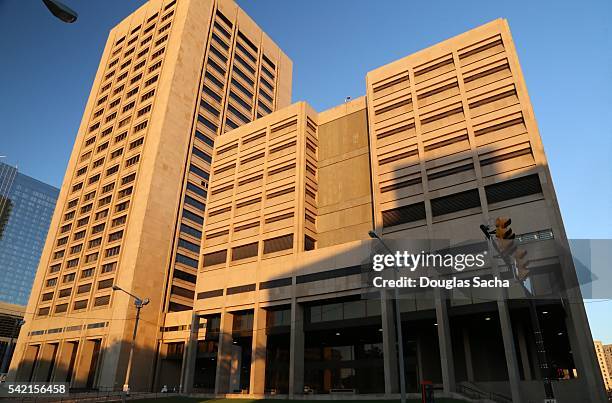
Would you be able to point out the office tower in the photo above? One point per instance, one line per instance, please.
(173, 76)
(26, 207)
(603, 364)
(444, 140)
(11, 319)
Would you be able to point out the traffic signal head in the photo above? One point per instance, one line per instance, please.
(505, 236)
(522, 269)
(502, 228)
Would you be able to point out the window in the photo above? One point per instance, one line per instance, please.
(79, 305)
(51, 282)
(196, 189)
(244, 251)
(101, 301)
(189, 245)
(210, 125)
(58, 254)
(72, 203)
(242, 75)
(112, 170)
(76, 249)
(105, 283)
(455, 202)
(194, 203)
(89, 196)
(243, 89)
(240, 115)
(101, 214)
(47, 296)
(122, 206)
(205, 138)
(77, 187)
(72, 263)
(133, 91)
(513, 188)
(94, 242)
(129, 106)
(94, 179)
(98, 228)
(112, 251)
(120, 137)
(81, 171)
(69, 216)
(87, 273)
(136, 143)
(403, 215)
(119, 221)
(147, 95)
(78, 235)
(98, 162)
(68, 278)
(92, 257)
(243, 103)
(82, 289)
(180, 258)
(125, 192)
(60, 308)
(128, 179)
(108, 267)
(102, 147)
(115, 236)
(193, 217)
(211, 94)
(151, 80)
(108, 188)
(136, 78)
(198, 171)
(104, 201)
(191, 231)
(277, 244)
(65, 228)
(62, 241)
(209, 108)
(140, 126)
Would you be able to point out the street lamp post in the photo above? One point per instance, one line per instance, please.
(398, 325)
(138, 303)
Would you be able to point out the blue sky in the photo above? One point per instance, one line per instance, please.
(564, 47)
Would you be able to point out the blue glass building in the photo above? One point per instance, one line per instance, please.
(26, 208)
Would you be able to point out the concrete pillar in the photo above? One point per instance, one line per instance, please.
(26, 368)
(258, 352)
(46, 362)
(467, 349)
(444, 340)
(189, 355)
(523, 351)
(224, 353)
(85, 357)
(389, 343)
(509, 349)
(296, 354)
(65, 356)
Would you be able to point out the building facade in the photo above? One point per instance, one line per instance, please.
(173, 76)
(26, 207)
(253, 248)
(604, 363)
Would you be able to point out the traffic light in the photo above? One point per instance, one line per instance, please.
(522, 271)
(505, 236)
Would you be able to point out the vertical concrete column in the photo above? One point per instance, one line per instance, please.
(296, 354)
(444, 340)
(523, 351)
(46, 361)
(258, 352)
(189, 355)
(509, 349)
(85, 357)
(28, 365)
(390, 365)
(224, 353)
(467, 349)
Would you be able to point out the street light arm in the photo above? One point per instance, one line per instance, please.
(142, 300)
(374, 235)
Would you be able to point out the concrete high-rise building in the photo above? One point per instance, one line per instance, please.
(271, 225)
(26, 207)
(604, 363)
(173, 76)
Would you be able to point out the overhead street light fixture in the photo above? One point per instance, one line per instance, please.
(61, 11)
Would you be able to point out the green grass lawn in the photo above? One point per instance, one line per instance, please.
(178, 399)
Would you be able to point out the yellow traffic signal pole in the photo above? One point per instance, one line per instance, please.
(533, 313)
